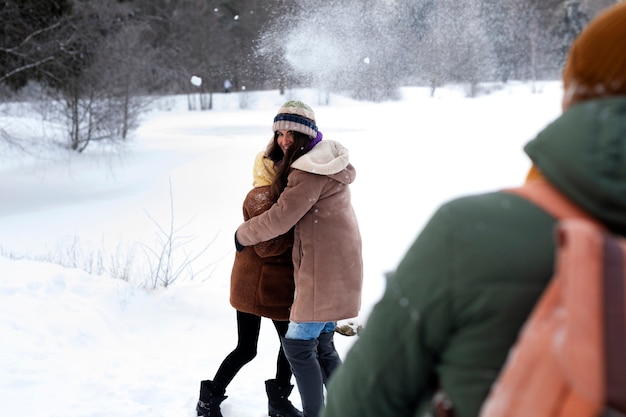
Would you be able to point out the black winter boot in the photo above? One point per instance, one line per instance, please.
(302, 356)
(210, 400)
(327, 354)
(279, 404)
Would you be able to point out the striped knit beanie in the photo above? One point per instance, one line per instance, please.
(297, 116)
(596, 64)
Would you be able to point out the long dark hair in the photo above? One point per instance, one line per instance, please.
(283, 162)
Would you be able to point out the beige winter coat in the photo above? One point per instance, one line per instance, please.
(328, 264)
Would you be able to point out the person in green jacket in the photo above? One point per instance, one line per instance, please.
(456, 302)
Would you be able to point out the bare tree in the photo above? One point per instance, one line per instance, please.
(98, 82)
(126, 80)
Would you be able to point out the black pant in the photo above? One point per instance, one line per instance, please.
(248, 326)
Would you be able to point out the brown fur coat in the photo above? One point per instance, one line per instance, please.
(261, 282)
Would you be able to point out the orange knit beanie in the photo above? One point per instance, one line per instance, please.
(596, 64)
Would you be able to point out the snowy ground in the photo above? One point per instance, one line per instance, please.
(78, 343)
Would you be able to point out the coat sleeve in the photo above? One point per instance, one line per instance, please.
(302, 192)
(274, 247)
(257, 202)
(390, 370)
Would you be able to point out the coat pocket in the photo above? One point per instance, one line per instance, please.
(276, 286)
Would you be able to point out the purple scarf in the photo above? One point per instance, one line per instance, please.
(314, 141)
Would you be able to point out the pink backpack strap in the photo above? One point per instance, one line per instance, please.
(549, 198)
(615, 324)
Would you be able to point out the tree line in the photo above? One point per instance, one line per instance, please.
(96, 61)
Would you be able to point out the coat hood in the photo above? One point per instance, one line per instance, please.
(327, 158)
(583, 153)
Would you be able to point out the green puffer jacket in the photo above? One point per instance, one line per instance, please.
(455, 304)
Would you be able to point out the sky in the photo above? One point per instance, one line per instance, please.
(86, 331)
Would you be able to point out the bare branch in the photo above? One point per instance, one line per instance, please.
(35, 33)
(26, 67)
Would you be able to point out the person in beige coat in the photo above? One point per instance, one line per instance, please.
(312, 184)
(261, 285)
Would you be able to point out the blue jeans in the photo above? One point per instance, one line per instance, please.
(308, 330)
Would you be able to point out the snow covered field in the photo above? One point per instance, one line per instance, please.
(81, 344)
